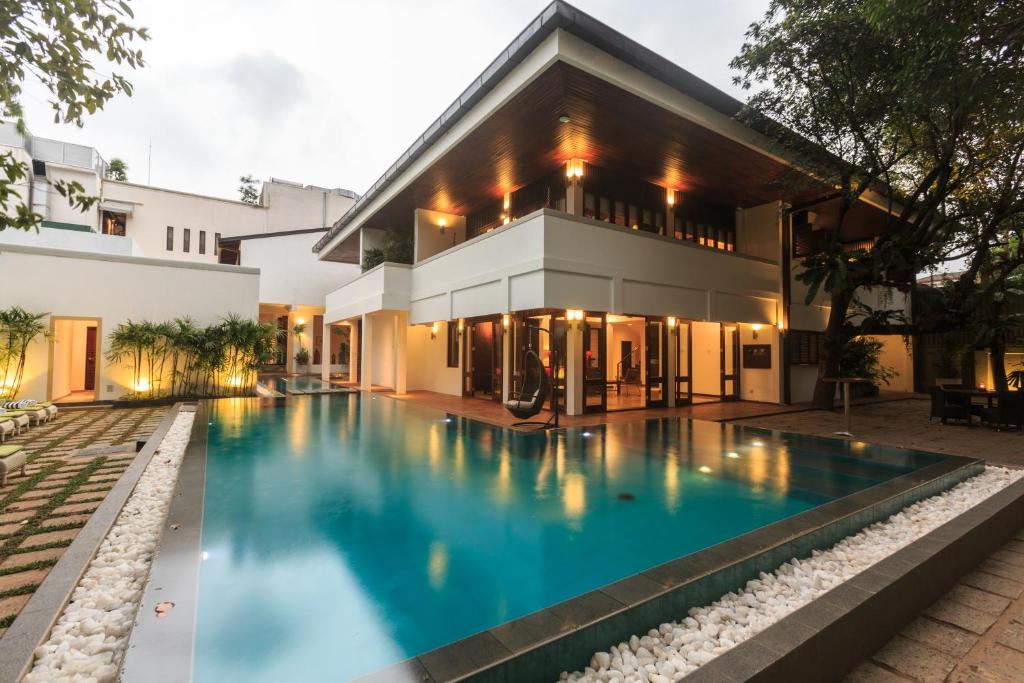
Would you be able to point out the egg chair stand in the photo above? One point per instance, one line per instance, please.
(529, 401)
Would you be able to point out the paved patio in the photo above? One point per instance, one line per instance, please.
(975, 633)
(42, 512)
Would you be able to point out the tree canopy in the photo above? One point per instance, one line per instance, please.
(68, 46)
(247, 191)
(117, 169)
(915, 105)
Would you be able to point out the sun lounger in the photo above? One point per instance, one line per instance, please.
(11, 458)
(19, 417)
(7, 428)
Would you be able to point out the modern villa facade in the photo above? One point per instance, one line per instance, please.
(587, 187)
(150, 253)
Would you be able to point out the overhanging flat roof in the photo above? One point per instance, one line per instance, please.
(557, 15)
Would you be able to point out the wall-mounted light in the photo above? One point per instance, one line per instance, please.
(673, 325)
(781, 325)
(756, 327)
(441, 223)
(461, 326)
(300, 321)
(670, 197)
(574, 168)
(434, 329)
(142, 385)
(574, 314)
(506, 203)
(506, 321)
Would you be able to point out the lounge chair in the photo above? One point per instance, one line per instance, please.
(11, 458)
(19, 417)
(948, 405)
(36, 413)
(7, 428)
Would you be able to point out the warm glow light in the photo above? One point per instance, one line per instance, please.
(462, 324)
(507, 203)
(142, 385)
(235, 381)
(671, 323)
(300, 321)
(434, 329)
(442, 222)
(704, 469)
(574, 168)
(574, 314)
(732, 454)
(670, 197)
(781, 325)
(506, 320)
(756, 327)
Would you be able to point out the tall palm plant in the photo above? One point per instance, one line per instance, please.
(18, 329)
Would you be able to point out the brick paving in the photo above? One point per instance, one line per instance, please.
(974, 633)
(42, 511)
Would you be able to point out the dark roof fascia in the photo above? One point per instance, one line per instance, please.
(557, 15)
(279, 233)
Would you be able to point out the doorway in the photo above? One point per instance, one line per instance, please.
(712, 364)
(74, 360)
(625, 361)
(484, 360)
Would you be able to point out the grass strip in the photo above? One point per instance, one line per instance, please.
(38, 564)
(27, 589)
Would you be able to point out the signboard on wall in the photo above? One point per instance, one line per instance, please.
(757, 356)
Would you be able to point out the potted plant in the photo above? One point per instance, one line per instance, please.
(302, 357)
(860, 359)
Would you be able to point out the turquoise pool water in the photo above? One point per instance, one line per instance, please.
(345, 533)
(301, 384)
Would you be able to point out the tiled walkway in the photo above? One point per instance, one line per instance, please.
(41, 512)
(975, 633)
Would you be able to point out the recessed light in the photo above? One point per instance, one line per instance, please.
(732, 454)
(564, 118)
(704, 469)
(586, 433)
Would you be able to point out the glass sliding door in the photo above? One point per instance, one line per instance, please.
(730, 362)
(595, 363)
(684, 363)
(655, 345)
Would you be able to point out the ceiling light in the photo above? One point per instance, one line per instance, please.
(564, 118)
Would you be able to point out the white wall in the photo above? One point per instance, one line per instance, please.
(60, 210)
(58, 238)
(428, 238)
(757, 384)
(757, 231)
(428, 362)
(115, 289)
(289, 271)
(896, 355)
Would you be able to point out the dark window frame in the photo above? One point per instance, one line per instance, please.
(202, 241)
(453, 343)
(186, 240)
(170, 238)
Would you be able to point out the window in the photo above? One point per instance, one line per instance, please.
(805, 347)
(170, 238)
(202, 241)
(186, 239)
(453, 344)
(113, 223)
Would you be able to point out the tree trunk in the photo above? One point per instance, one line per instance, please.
(832, 349)
(997, 351)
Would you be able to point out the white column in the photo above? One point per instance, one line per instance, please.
(325, 353)
(353, 350)
(574, 369)
(401, 347)
(290, 348)
(366, 355)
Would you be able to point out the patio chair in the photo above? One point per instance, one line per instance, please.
(19, 417)
(530, 400)
(956, 407)
(11, 458)
(1009, 410)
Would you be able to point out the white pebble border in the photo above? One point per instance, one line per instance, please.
(671, 651)
(90, 637)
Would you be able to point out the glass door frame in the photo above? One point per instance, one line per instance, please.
(684, 399)
(734, 376)
(663, 357)
(601, 382)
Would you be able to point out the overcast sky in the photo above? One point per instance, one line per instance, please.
(330, 93)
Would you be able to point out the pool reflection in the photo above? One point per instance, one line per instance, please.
(345, 534)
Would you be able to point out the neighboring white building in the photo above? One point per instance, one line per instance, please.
(154, 253)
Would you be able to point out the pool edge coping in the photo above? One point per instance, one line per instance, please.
(163, 649)
(37, 618)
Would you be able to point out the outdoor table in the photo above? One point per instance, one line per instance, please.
(987, 394)
(846, 382)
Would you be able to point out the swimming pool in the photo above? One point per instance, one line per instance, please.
(345, 533)
(303, 384)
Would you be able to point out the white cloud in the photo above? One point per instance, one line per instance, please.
(330, 93)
